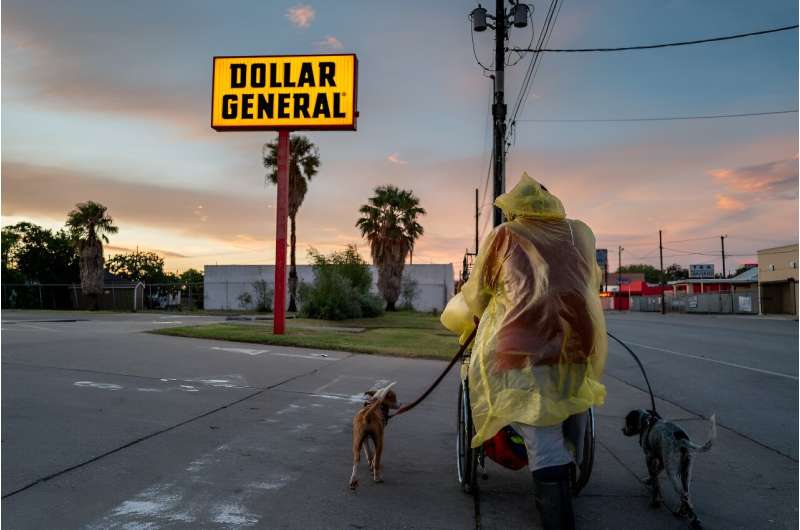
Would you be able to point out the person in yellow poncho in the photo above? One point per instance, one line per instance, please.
(541, 346)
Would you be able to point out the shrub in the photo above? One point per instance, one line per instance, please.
(245, 300)
(342, 281)
(409, 290)
(264, 294)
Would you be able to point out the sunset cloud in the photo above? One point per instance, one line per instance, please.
(773, 180)
(394, 158)
(301, 15)
(331, 42)
(115, 249)
(729, 203)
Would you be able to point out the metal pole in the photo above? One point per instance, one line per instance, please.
(499, 107)
(663, 282)
(619, 270)
(724, 272)
(279, 313)
(477, 214)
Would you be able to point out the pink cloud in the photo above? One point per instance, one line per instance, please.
(776, 179)
(331, 43)
(301, 15)
(394, 158)
(728, 203)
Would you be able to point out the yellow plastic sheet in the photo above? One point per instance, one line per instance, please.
(541, 346)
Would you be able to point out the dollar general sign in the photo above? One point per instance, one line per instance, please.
(297, 92)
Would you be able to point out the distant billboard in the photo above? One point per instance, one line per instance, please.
(602, 257)
(702, 270)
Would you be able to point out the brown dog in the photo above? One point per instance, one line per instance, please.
(368, 424)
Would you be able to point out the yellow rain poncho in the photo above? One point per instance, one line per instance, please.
(541, 347)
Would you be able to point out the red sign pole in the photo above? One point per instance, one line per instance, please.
(279, 312)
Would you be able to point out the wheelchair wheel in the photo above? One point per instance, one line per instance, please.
(581, 473)
(466, 457)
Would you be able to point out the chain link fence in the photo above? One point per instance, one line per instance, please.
(743, 302)
(115, 297)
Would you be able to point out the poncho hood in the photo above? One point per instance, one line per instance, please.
(530, 199)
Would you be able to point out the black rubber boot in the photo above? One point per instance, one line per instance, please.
(554, 498)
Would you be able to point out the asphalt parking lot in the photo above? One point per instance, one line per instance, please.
(106, 426)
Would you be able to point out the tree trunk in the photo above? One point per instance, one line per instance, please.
(390, 275)
(92, 271)
(292, 266)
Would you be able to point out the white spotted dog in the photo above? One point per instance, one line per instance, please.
(668, 448)
(368, 426)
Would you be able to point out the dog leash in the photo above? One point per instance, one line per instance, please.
(456, 357)
(644, 373)
(463, 348)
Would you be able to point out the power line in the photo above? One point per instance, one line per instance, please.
(533, 67)
(652, 46)
(692, 239)
(664, 118)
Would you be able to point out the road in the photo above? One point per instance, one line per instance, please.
(105, 426)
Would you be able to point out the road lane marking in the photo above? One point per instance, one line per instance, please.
(31, 326)
(253, 352)
(246, 351)
(101, 386)
(734, 365)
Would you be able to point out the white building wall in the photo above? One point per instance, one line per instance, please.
(224, 284)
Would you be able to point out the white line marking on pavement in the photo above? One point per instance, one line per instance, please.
(101, 386)
(734, 365)
(317, 356)
(167, 322)
(250, 351)
(38, 328)
(246, 351)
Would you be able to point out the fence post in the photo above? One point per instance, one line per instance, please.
(41, 303)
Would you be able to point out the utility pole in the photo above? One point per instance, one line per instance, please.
(663, 282)
(619, 269)
(499, 107)
(518, 17)
(477, 214)
(724, 271)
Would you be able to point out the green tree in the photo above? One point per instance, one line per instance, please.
(89, 224)
(139, 266)
(651, 274)
(676, 272)
(192, 277)
(389, 222)
(31, 253)
(303, 165)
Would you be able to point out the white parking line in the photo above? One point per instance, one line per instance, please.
(733, 365)
(249, 351)
(37, 328)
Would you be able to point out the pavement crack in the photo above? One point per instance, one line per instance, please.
(154, 434)
(697, 414)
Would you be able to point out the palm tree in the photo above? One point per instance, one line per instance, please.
(389, 222)
(303, 164)
(88, 224)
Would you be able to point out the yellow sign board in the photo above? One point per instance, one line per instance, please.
(294, 92)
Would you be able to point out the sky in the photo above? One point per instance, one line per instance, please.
(110, 101)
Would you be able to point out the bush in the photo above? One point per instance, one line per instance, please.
(245, 300)
(342, 281)
(409, 290)
(263, 296)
